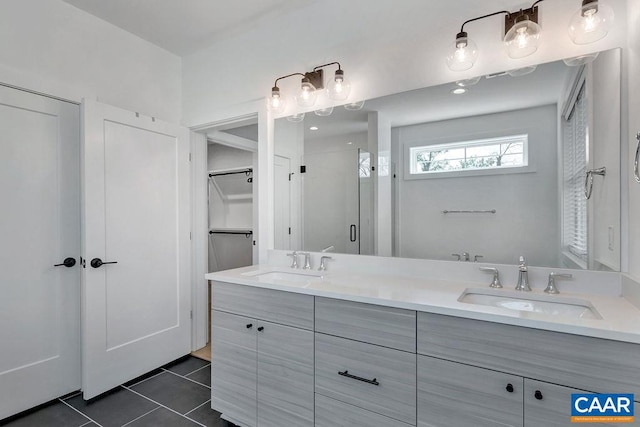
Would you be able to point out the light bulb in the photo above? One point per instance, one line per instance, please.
(591, 22)
(339, 88)
(463, 54)
(523, 38)
(275, 103)
(307, 94)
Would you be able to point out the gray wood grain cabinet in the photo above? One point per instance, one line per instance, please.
(261, 371)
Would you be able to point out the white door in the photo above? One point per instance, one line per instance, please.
(282, 203)
(136, 313)
(39, 227)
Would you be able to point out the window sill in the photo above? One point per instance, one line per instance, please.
(470, 173)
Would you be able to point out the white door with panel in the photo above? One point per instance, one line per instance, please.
(40, 228)
(136, 241)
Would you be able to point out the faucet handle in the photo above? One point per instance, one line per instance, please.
(551, 285)
(294, 261)
(323, 263)
(496, 276)
(457, 255)
(307, 260)
(523, 263)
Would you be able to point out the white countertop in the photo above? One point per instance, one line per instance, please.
(620, 319)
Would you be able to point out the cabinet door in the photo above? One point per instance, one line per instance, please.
(452, 394)
(285, 376)
(233, 367)
(549, 405)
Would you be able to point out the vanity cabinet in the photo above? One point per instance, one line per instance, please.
(262, 372)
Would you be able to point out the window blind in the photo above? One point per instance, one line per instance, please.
(575, 146)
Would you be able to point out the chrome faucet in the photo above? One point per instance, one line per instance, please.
(328, 249)
(323, 263)
(495, 283)
(294, 261)
(307, 260)
(551, 286)
(523, 276)
(466, 256)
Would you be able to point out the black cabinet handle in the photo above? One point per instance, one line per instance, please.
(364, 380)
(250, 325)
(352, 233)
(510, 388)
(538, 395)
(68, 262)
(97, 262)
(261, 328)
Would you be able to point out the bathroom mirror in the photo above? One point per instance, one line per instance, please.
(525, 162)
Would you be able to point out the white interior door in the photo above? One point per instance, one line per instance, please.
(136, 312)
(282, 171)
(40, 227)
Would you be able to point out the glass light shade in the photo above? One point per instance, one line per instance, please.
(591, 22)
(307, 94)
(354, 106)
(338, 88)
(518, 72)
(275, 103)
(522, 39)
(296, 118)
(462, 54)
(324, 111)
(469, 82)
(577, 61)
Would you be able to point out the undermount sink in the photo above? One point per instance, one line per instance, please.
(520, 301)
(298, 279)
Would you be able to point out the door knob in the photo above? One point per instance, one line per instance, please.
(68, 262)
(97, 262)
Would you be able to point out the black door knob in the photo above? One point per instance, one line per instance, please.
(97, 262)
(68, 262)
(538, 395)
(510, 388)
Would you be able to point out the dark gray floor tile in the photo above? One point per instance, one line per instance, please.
(186, 366)
(57, 414)
(173, 391)
(114, 409)
(143, 377)
(207, 416)
(203, 376)
(162, 418)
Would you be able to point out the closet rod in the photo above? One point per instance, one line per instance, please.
(246, 234)
(245, 171)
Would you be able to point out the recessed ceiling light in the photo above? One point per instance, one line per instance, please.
(313, 128)
(350, 143)
(458, 91)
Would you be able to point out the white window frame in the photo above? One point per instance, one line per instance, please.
(410, 174)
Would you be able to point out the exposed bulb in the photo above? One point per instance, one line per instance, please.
(463, 54)
(591, 22)
(307, 94)
(339, 88)
(523, 38)
(275, 103)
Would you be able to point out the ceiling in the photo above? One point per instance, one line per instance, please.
(185, 26)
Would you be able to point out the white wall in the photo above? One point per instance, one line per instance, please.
(631, 90)
(52, 47)
(384, 46)
(526, 222)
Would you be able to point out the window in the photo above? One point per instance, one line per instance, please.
(575, 149)
(492, 153)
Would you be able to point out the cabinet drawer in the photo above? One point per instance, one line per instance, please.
(333, 413)
(286, 308)
(452, 394)
(394, 371)
(385, 326)
(585, 363)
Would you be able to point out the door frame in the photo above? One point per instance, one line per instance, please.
(199, 204)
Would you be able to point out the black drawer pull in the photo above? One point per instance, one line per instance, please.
(261, 328)
(538, 395)
(250, 325)
(510, 388)
(364, 380)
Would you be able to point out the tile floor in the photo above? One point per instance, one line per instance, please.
(175, 395)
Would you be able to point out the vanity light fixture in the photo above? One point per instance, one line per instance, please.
(322, 112)
(354, 106)
(469, 82)
(590, 23)
(338, 88)
(296, 118)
